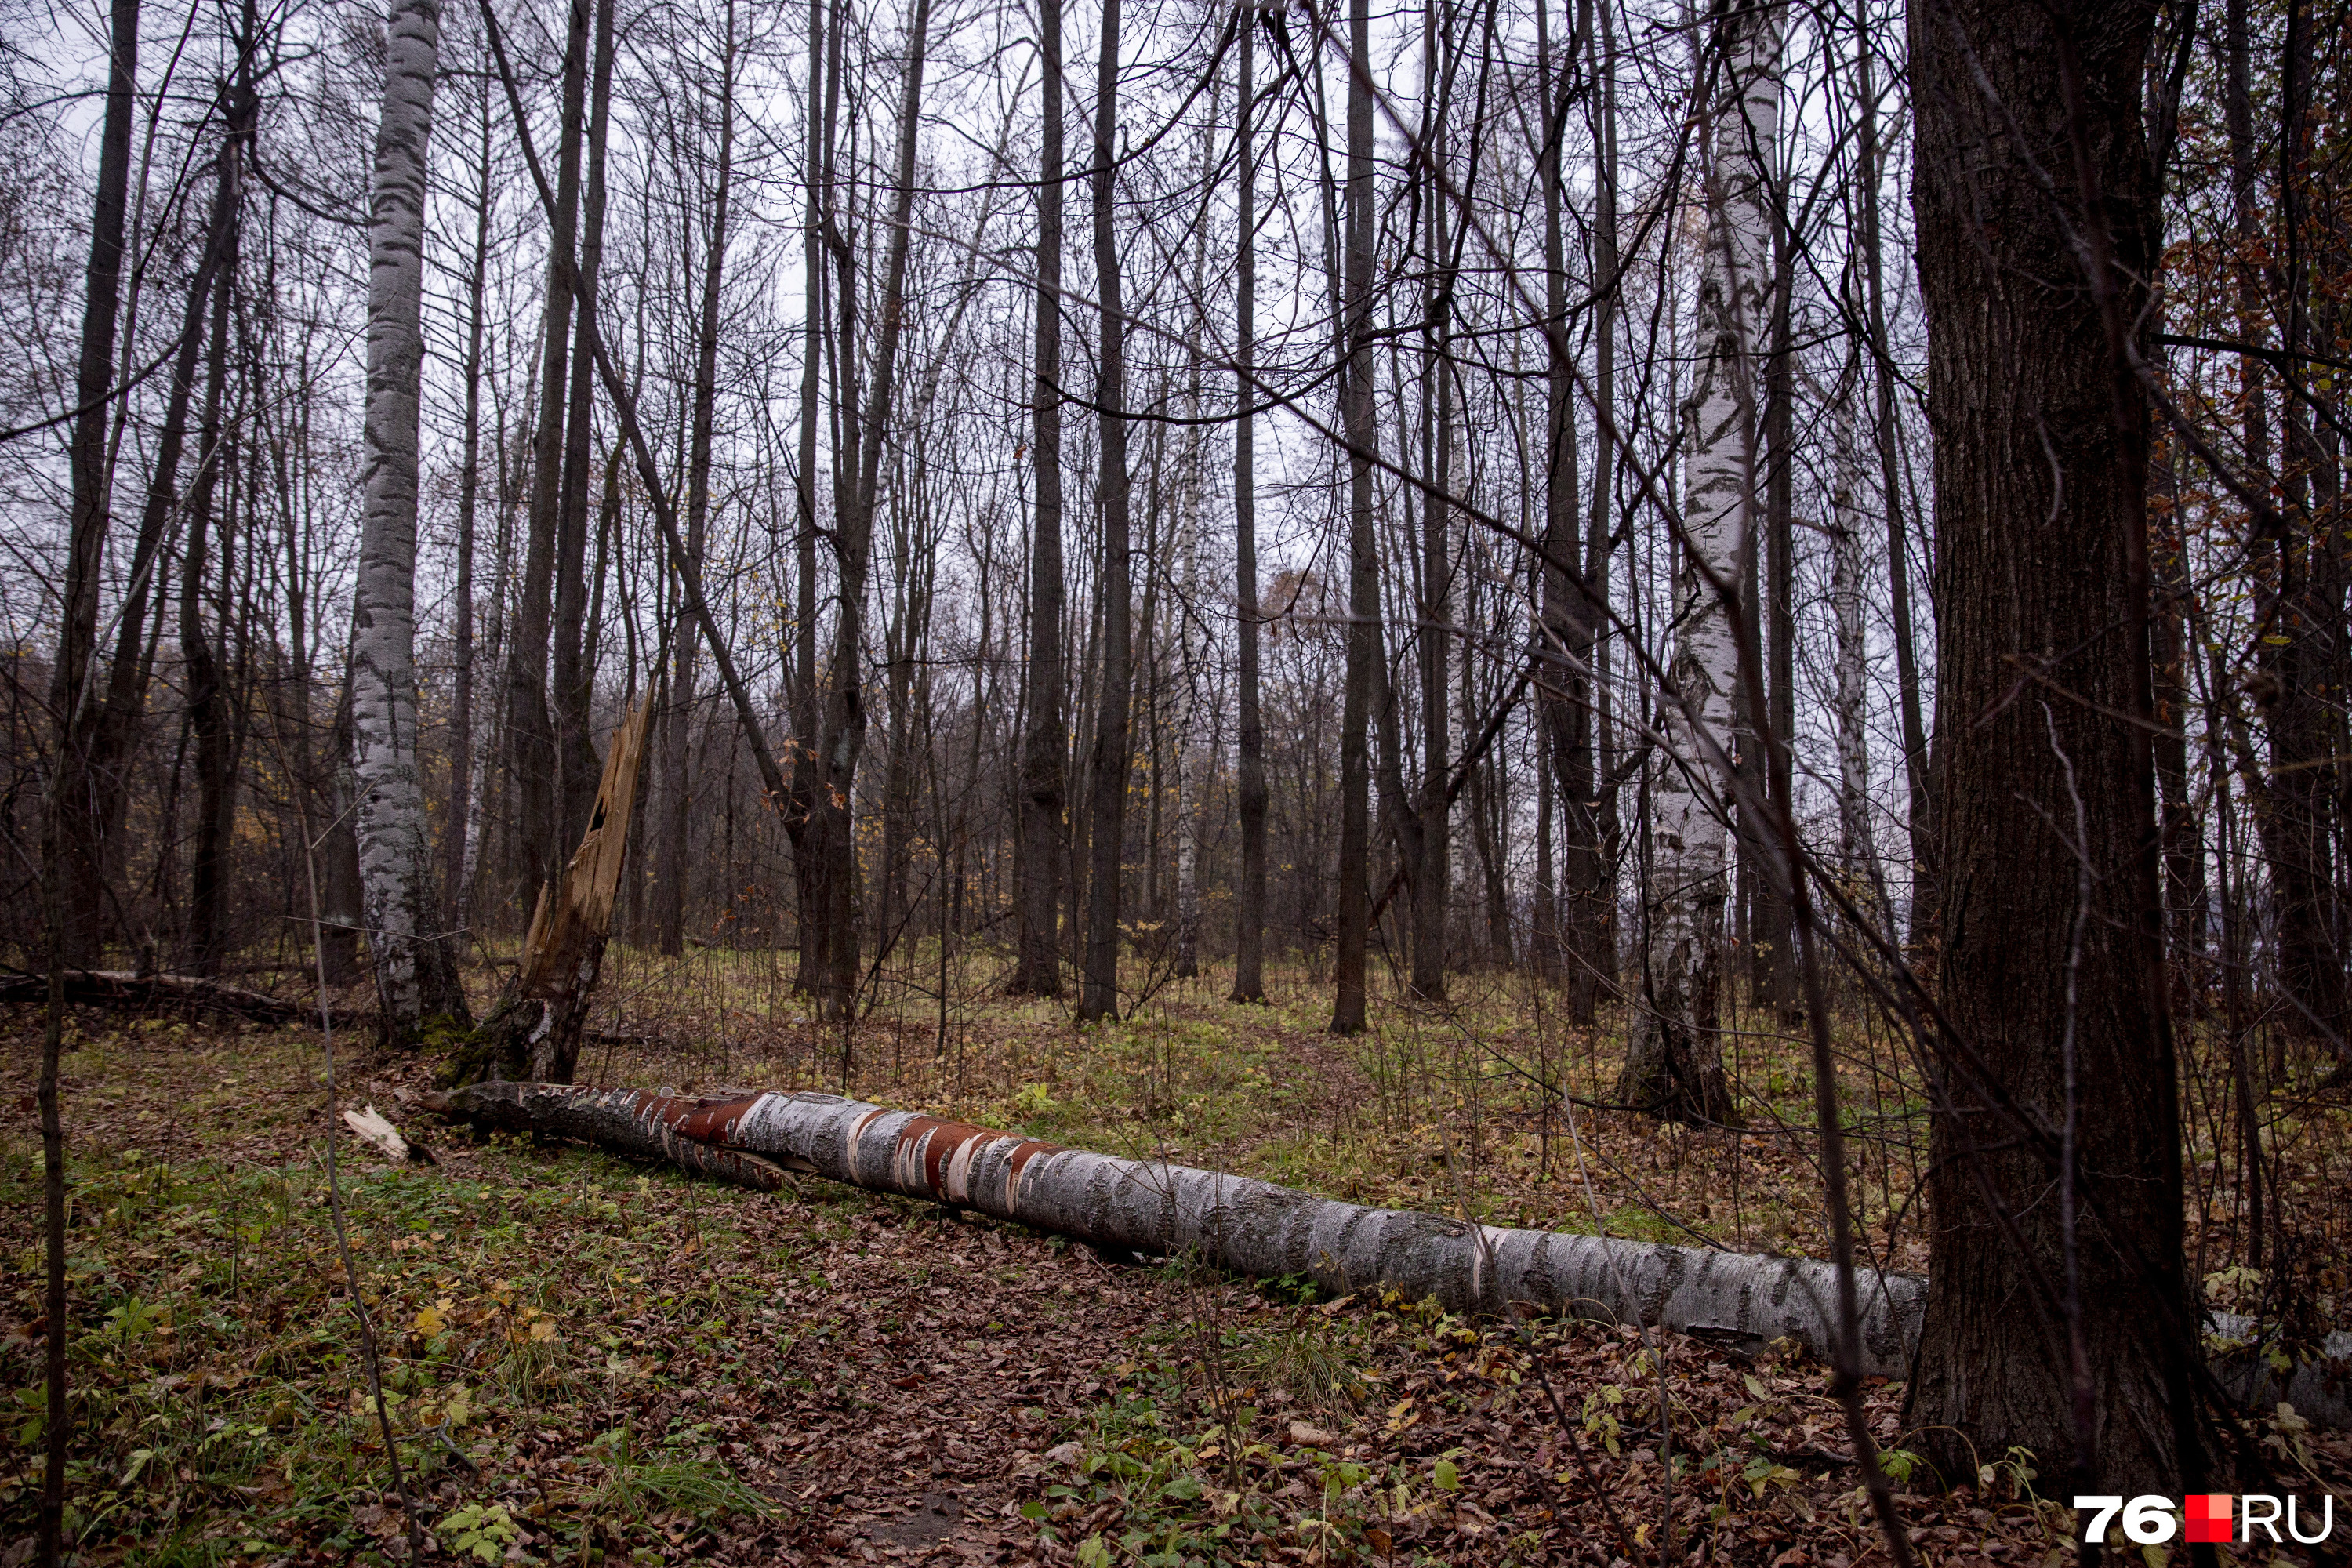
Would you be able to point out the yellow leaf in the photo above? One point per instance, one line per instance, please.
(430, 1322)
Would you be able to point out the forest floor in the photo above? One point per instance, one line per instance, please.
(588, 1361)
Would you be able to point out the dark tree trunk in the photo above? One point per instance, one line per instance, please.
(209, 716)
(1918, 771)
(2072, 1344)
(469, 488)
(842, 737)
(1045, 746)
(799, 803)
(1249, 934)
(572, 671)
(2300, 601)
(530, 726)
(1773, 936)
(341, 911)
(90, 802)
(1107, 769)
(1570, 606)
(1425, 849)
(68, 855)
(678, 724)
(1347, 1003)
(1592, 917)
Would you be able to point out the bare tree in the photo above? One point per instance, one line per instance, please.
(415, 967)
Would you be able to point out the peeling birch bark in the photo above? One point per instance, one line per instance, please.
(415, 971)
(1674, 1058)
(1737, 1300)
(1236, 1223)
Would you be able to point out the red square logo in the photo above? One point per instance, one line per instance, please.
(2209, 1517)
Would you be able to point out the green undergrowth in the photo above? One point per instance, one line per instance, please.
(217, 1368)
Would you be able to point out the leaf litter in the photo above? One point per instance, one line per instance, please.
(593, 1363)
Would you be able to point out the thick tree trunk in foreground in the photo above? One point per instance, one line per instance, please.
(2047, 805)
(416, 966)
(1673, 1060)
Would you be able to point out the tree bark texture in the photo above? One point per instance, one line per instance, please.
(536, 1032)
(415, 967)
(1250, 783)
(1363, 640)
(1106, 811)
(2039, 466)
(530, 725)
(74, 854)
(1045, 744)
(1234, 1222)
(68, 855)
(1674, 1056)
(1738, 1300)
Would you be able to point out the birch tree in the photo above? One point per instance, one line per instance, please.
(416, 972)
(1673, 1060)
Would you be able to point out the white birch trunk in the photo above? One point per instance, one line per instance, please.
(1674, 1063)
(1234, 1223)
(1855, 858)
(1736, 1300)
(410, 961)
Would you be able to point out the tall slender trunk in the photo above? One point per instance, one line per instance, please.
(1595, 974)
(2300, 607)
(1772, 934)
(572, 671)
(837, 272)
(1920, 777)
(415, 963)
(1106, 812)
(1571, 610)
(1363, 638)
(843, 735)
(68, 855)
(677, 725)
(530, 725)
(824, 88)
(1249, 935)
(1045, 746)
(1192, 658)
(1857, 862)
(209, 721)
(1432, 871)
(454, 833)
(1674, 1057)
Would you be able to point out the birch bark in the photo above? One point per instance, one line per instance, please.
(417, 975)
(1854, 857)
(1675, 1060)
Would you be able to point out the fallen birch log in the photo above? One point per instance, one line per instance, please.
(1739, 1301)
